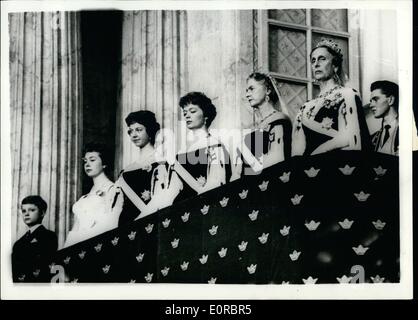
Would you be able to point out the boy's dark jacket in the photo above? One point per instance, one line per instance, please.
(32, 253)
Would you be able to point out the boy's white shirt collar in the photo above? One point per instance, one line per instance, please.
(33, 228)
(393, 123)
(391, 118)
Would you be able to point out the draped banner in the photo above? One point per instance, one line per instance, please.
(45, 104)
(328, 218)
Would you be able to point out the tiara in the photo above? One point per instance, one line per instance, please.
(273, 83)
(331, 44)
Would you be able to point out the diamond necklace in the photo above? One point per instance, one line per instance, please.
(258, 123)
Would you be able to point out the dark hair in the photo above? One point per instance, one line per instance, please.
(203, 102)
(103, 153)
(147, 119)
(265, 79)
(37, 201)
(388, 88)
(337, 60)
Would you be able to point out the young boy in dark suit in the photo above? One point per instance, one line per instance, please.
(32, 252)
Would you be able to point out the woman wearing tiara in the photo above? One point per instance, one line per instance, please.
(204, 163)
(334, 119)
(269, 141)
(98, 211)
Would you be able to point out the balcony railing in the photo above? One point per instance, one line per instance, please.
(324, 219)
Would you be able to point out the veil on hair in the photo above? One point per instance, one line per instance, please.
(281, 105)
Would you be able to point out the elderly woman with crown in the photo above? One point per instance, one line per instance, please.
(334, 120)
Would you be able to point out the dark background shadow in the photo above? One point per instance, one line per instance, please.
(101, 39)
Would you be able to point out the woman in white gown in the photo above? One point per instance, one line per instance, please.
(98, 211)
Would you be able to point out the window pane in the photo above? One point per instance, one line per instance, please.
(330, 19)
(295, 95)
(297, 16)
(342, 42)
(287, 52)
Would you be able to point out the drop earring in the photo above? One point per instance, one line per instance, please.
(337, 79)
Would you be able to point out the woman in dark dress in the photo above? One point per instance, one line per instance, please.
(145, 179)
(269, 141)
(334, 120)
(204, 164)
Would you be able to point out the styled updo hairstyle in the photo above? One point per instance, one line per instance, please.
(103, 153)
(147, 119)
(266, 81)
(337, 57)
(203, 102)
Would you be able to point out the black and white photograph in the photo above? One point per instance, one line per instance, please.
(206, 149)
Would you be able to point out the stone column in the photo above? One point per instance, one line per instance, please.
(222, 54)
(153, 72)
(220, 57)
(45, 105)
(378, 47)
